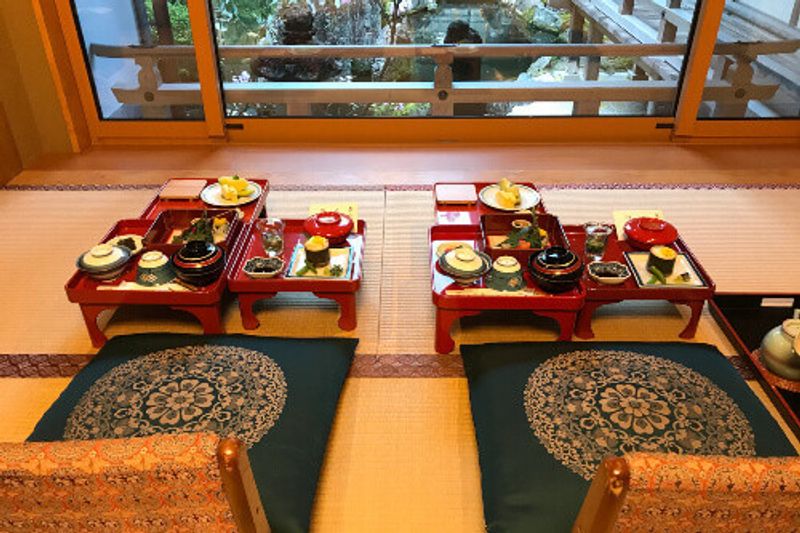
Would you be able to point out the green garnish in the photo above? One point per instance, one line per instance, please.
(658, 276)
(336, 271)
(308, 267)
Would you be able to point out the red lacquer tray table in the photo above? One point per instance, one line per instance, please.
(598, 294)
(203, 303)
(450, 305)
(467, 214)
(249, 290)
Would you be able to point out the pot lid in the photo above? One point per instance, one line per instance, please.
(194, 251)
(329, 224)
(464, 259)
(556, 257)
(506, 264)
(791, 327)
(104, 255)
(650, 230)
(153, 259)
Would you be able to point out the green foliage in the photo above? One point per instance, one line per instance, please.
(616, 64)
(179, 18)
(242, 21)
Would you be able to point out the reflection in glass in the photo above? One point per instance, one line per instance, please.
(263, 77)
(756, 70)
(138, 53)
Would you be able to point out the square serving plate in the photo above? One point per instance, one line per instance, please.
(342, 257)
(638, 263)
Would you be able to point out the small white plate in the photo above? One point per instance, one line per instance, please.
(527, 198)
(212, 195)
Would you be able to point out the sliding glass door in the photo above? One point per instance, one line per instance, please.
(208, 68)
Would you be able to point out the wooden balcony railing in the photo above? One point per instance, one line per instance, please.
(154, 96)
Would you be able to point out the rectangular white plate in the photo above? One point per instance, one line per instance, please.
(339, 256)
(638, 263)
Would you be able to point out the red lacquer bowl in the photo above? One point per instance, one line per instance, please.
(644, 232)
(329, 224)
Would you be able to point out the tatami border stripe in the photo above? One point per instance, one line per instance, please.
(42, 365)
(322, 187)
(364, 365)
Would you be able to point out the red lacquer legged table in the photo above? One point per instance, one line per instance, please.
(598, 295)
(203, 303)
(249, 290)
(452, 303)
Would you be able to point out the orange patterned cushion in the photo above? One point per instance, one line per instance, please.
(164, 482)
(686, 493)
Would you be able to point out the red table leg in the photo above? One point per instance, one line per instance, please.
(583, 328)
(246, 303)
(347, 306)
(697, 309)
(90, 314)
(444, 319)
(208, 315)
(565, 319)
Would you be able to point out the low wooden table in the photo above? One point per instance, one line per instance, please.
(453, 303)
(203, 303)
(249, 290)
(598, 294)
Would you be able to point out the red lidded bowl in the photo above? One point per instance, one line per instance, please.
(645, 232)
(329, 224)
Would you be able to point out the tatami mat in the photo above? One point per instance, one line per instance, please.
(24, 401)
(402, 456)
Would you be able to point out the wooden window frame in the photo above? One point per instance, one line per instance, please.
(64, 51)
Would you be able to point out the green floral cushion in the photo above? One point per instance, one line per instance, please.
(546, 414)
(278, 396)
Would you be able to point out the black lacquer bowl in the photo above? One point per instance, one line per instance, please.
(199, 263)
(556, 269)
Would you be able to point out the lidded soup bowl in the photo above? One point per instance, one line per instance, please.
(199, 262)
(104, 262)
(154, 268)
(556, 269)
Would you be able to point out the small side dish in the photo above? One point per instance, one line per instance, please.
(208, 229)
(264, 267)
(608, 273)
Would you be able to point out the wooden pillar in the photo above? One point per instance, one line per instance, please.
(794, 18)
(591, 72)
(639, 74)
(667, 31)
(740, 76)
(576, 26)
(10, 161)
(626, 8)
(442, 104)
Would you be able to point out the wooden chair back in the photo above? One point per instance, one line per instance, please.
(184, 482)
(682, 493)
